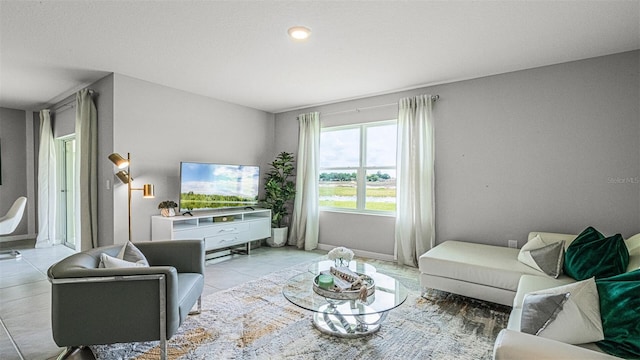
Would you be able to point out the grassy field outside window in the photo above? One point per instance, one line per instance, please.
(357, 168)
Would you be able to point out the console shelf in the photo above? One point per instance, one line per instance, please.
(220, 229)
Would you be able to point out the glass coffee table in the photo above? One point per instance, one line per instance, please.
(356, 266)
(346, 318)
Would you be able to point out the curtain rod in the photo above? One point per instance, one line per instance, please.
(71, 100)
(433, 98)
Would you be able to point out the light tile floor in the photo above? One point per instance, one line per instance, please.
(25, 292)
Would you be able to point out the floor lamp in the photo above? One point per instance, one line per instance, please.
(125, 177)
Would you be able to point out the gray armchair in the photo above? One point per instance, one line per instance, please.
(91, 305)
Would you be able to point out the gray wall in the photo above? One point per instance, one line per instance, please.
(13, 135)
(160, 127)
(549, 149)
(64, 119)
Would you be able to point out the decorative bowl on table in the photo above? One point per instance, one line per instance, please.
(346, 294)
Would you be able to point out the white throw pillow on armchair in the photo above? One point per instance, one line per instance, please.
(129, 254)
(110, 262)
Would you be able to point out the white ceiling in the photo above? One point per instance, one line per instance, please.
(240, 52)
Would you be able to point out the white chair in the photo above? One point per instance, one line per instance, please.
(10, 221)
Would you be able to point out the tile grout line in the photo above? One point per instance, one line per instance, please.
(4, 326)
(15, 346)
(35, 267)
(46, 277)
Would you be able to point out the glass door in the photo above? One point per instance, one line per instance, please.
(66, 161)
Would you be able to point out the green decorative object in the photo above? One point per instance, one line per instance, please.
(325, 281)
(619, 304)
(592, 254)
(279, 189)
(167, 204)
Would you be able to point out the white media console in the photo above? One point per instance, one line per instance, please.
(220, 229)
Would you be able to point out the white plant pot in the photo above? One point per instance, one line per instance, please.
(168, 212)
(278, 237)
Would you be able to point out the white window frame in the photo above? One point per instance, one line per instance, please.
(361, 169)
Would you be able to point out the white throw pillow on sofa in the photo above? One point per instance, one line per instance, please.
(544, 256)
(573, 321)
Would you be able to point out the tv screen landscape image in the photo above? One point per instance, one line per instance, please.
(206, 186)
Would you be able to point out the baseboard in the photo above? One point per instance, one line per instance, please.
(17, 237)
(362, 253)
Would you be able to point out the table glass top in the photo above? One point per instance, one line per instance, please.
(389, 293)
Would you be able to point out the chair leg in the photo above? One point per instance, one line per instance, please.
(77, 353)
(198, 308)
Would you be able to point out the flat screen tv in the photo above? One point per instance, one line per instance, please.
(205, 186)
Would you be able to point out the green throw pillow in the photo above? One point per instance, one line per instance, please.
(619, 304)
(592, 254)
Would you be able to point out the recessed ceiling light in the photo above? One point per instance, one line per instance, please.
(299, 32)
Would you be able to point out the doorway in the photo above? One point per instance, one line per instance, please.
(66, 194)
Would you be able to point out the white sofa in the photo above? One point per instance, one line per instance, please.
(493, 273)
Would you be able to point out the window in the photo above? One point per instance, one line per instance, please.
(358, 168)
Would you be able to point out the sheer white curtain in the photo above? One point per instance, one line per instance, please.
(305, 220)
(86, 166)
(415, 215)
(46, 184)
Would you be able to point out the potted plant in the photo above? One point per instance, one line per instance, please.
(279, 191)
(168, 208)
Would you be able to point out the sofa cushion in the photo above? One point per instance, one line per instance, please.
(633, 245)
(619, 304)
(544, 256)
(512, 345)
(574, 321)
(592, 254)
(531, 283)
(190, 286)
(493, 266)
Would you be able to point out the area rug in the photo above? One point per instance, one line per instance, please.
(255, 321)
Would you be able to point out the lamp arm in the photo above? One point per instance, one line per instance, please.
(125, 177)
